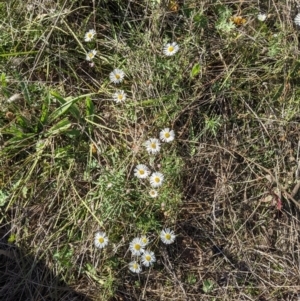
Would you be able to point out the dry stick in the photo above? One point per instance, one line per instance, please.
(144, 291)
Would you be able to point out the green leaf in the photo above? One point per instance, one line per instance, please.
(208, 286)
(23, 122)
(12, 238)
(3, 198)
(45, 110)
(65, 107)
(91, 271)
(9, 54)
(73, 133)
(24, 192)
(89, 108)
(200, 20)
(3, 80)
(60, 127)
(17, 133)
(195, 70)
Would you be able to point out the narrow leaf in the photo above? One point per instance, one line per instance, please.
(59, 127)
(195, 70)
(65, 107)
(45, 110)
(89, 108)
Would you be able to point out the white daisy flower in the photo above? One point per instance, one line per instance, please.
(153, 193)
(148, 258)
(134, 267)
(261, 17)
(166, 135)
(136, 246)
(152, 145)
(141, 171)
(91, 54)
(167, 236)
(116, 76)
(119, 96)
(89, 35)
(297, 20)
(156, 179)
(170, 49)
(100, 240)
(144, 240)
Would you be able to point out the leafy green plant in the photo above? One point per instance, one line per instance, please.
(224, 24)
(212, 124)
(191, 278)
(208, 286)
(63, 257)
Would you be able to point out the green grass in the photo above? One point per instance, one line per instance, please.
(68, 151)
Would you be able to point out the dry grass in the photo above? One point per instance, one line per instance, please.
(231, 191)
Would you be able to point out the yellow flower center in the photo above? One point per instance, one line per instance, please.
(90, 35)
(144, 240)
(168, 236)
(91, 55)
(137, 247)
(153, 145)
(167, 135)
(171, 48)
(142, 171)
(157, 179)
(118, 76)
(120, 96)
(148, 257)
(135, 266)
(101, 240)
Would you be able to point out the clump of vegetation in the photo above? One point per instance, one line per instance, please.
(149, 150)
